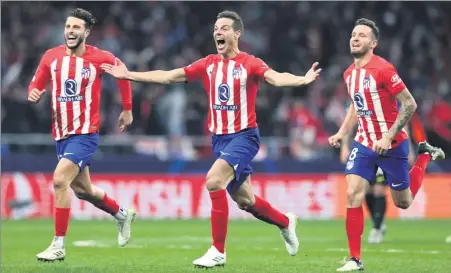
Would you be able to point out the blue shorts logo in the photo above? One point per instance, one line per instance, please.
(359, 101)
(223, 93)
(70, 88)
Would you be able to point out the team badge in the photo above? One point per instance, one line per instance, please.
(85, 73)
(366, 83)
(236, 73)
(350, 164)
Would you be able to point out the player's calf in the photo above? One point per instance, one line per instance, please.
(97, 197)
(219, 176)
(64, 174)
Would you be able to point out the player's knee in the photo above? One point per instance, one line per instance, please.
(60, 183)
(354, 193)
(80, 193)
(214, 183)
(244, 203)
(402, 204)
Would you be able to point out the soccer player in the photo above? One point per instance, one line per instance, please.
(74, 70)
(231, 79)
(374, 86)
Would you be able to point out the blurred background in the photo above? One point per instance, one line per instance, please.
(169, 138)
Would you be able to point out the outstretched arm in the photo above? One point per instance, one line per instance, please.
(287, 79)
(158, 76)
(120, 71)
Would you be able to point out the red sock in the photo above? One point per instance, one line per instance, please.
(417, 173)
(62, 216)
(219, 218)
(108, 205)
(263, 211)
(354, 230)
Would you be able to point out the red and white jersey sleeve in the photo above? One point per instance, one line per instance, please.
(259, 67)
(196, 71)
(393, 83)
(231, 86)
(125, 86)
(42, 74)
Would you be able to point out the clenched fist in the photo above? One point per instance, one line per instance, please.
(35, 95)
(335, 140)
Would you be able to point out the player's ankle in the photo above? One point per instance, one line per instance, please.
(58, 241)
(121, 215)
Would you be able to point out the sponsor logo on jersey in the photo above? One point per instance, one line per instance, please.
(70, 91)
(224, 92)
(225, 107)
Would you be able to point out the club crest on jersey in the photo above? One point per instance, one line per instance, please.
(85, 73)
(224, 92)
(366, 83)
(236, 73)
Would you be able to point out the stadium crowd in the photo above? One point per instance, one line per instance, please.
(289, 36)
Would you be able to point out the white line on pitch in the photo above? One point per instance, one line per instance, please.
(389, 251)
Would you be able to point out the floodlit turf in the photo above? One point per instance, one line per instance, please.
(171, 246)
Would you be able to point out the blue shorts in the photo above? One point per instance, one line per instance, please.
(238, 150)
(78, 148)
(363, 162)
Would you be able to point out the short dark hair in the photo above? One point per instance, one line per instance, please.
(370, 24)
(237, 22)
(85, 16)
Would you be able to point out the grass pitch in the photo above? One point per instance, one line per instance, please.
(252, 246)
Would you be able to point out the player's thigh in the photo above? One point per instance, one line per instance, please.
(239, 153)
(361, 162)
(65, 173)
(244, 195)
(402, 199)
(81, 185)
(397, 177)
(219, 175)
(237, 150)
(356, 186)
(395, 165)
(396, 169)
(81, 148)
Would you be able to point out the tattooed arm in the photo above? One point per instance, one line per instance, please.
(408, 107)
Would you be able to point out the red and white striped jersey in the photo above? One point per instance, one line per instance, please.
(372, 89)
(231, 86)
(76, 86)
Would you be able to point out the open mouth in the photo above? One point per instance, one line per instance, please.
(71, 38)
(220, 42)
